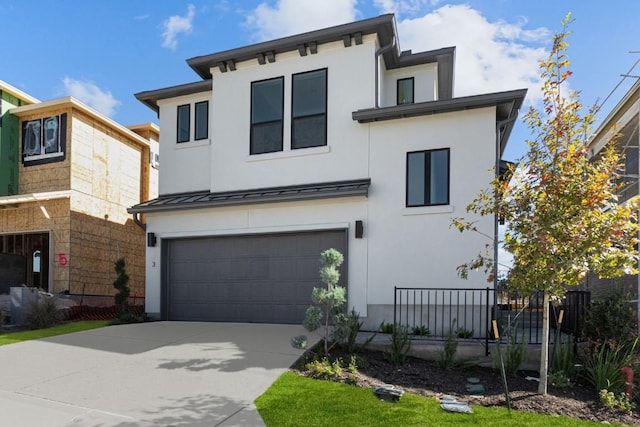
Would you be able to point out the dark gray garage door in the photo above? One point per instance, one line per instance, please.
(259, 278)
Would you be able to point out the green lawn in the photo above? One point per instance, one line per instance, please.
(299, 401)
(67, 328)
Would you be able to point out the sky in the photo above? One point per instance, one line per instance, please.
(103, 52)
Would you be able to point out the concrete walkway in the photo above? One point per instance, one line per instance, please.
(149, 374)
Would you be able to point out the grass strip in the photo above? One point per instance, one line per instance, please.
(294, 400)
(66, 328)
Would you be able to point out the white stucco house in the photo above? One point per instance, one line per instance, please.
(331, 138)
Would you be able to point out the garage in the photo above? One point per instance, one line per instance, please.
(264, 278)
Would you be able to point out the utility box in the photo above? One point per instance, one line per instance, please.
(22, 299)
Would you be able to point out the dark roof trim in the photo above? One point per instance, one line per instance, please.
(207, 199)
(150, 98)
(383, 25)
(445, 58)
(507, 105)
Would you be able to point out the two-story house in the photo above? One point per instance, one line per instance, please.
(331, 138)
(67, 175)
(621, 127)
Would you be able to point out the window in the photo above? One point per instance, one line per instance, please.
(428, 178)
(267, 106)
(405, 91)
(184, 125)
(43, 140)
(202, 120)
(309, 109)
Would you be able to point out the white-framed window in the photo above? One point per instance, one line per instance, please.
(44, 139)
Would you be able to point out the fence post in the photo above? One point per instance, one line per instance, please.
(395, 303)
(486, 337)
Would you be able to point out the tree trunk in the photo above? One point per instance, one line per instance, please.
(544, 348)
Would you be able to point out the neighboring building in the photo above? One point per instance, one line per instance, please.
(621, 124)
(332, 138)
(63, 206)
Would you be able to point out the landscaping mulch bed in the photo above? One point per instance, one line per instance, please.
(423, 377)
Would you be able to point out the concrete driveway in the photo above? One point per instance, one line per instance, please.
(148, 374)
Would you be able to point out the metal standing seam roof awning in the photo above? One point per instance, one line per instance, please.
(208, 199)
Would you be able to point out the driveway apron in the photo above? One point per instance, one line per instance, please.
(148, 374)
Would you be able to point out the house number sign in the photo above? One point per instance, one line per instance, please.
(62, 259)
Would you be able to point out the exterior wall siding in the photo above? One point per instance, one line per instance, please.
(105, 172)
(29, 218)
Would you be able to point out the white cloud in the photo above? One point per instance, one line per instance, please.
(175, 25)
(490, 56)
(91, 95)
(295, 16)
(402, 7)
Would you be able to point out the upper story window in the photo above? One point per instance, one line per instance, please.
(309, 109)
(428, 178)
(201, 122)
(267, 113)
(44, 139)
(184, 123)
(405, 91)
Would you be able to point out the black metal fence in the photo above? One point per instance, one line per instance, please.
(468, 313)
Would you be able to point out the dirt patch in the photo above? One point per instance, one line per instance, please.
(423, 377)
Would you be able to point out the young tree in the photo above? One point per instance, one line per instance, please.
(121, 299)
(562, 213)
(329, 300)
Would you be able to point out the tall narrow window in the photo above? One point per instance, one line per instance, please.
(309, 109)
(428, 178)
(405, 91)
(202, 120)
(267, 106)
(184, 118)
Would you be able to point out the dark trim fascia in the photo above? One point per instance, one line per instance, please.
(150, 98)
(445, 58)
(383, 25)
(207, 199)
(507, 105)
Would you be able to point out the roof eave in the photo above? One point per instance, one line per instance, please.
(507, 105)
(150, 98)
(383, 25)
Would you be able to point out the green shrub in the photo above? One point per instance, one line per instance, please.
(619, 402)
(299, 341)
(347, 329)
(386, 328)
(400, 344)
(515, 353)
(334, 370)
(421, 330)
(602, 367)
(328, 300)
(464, 333)
(610, 320)
(559, 379)
(563, 359)
(42, 313)
(448, 356)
